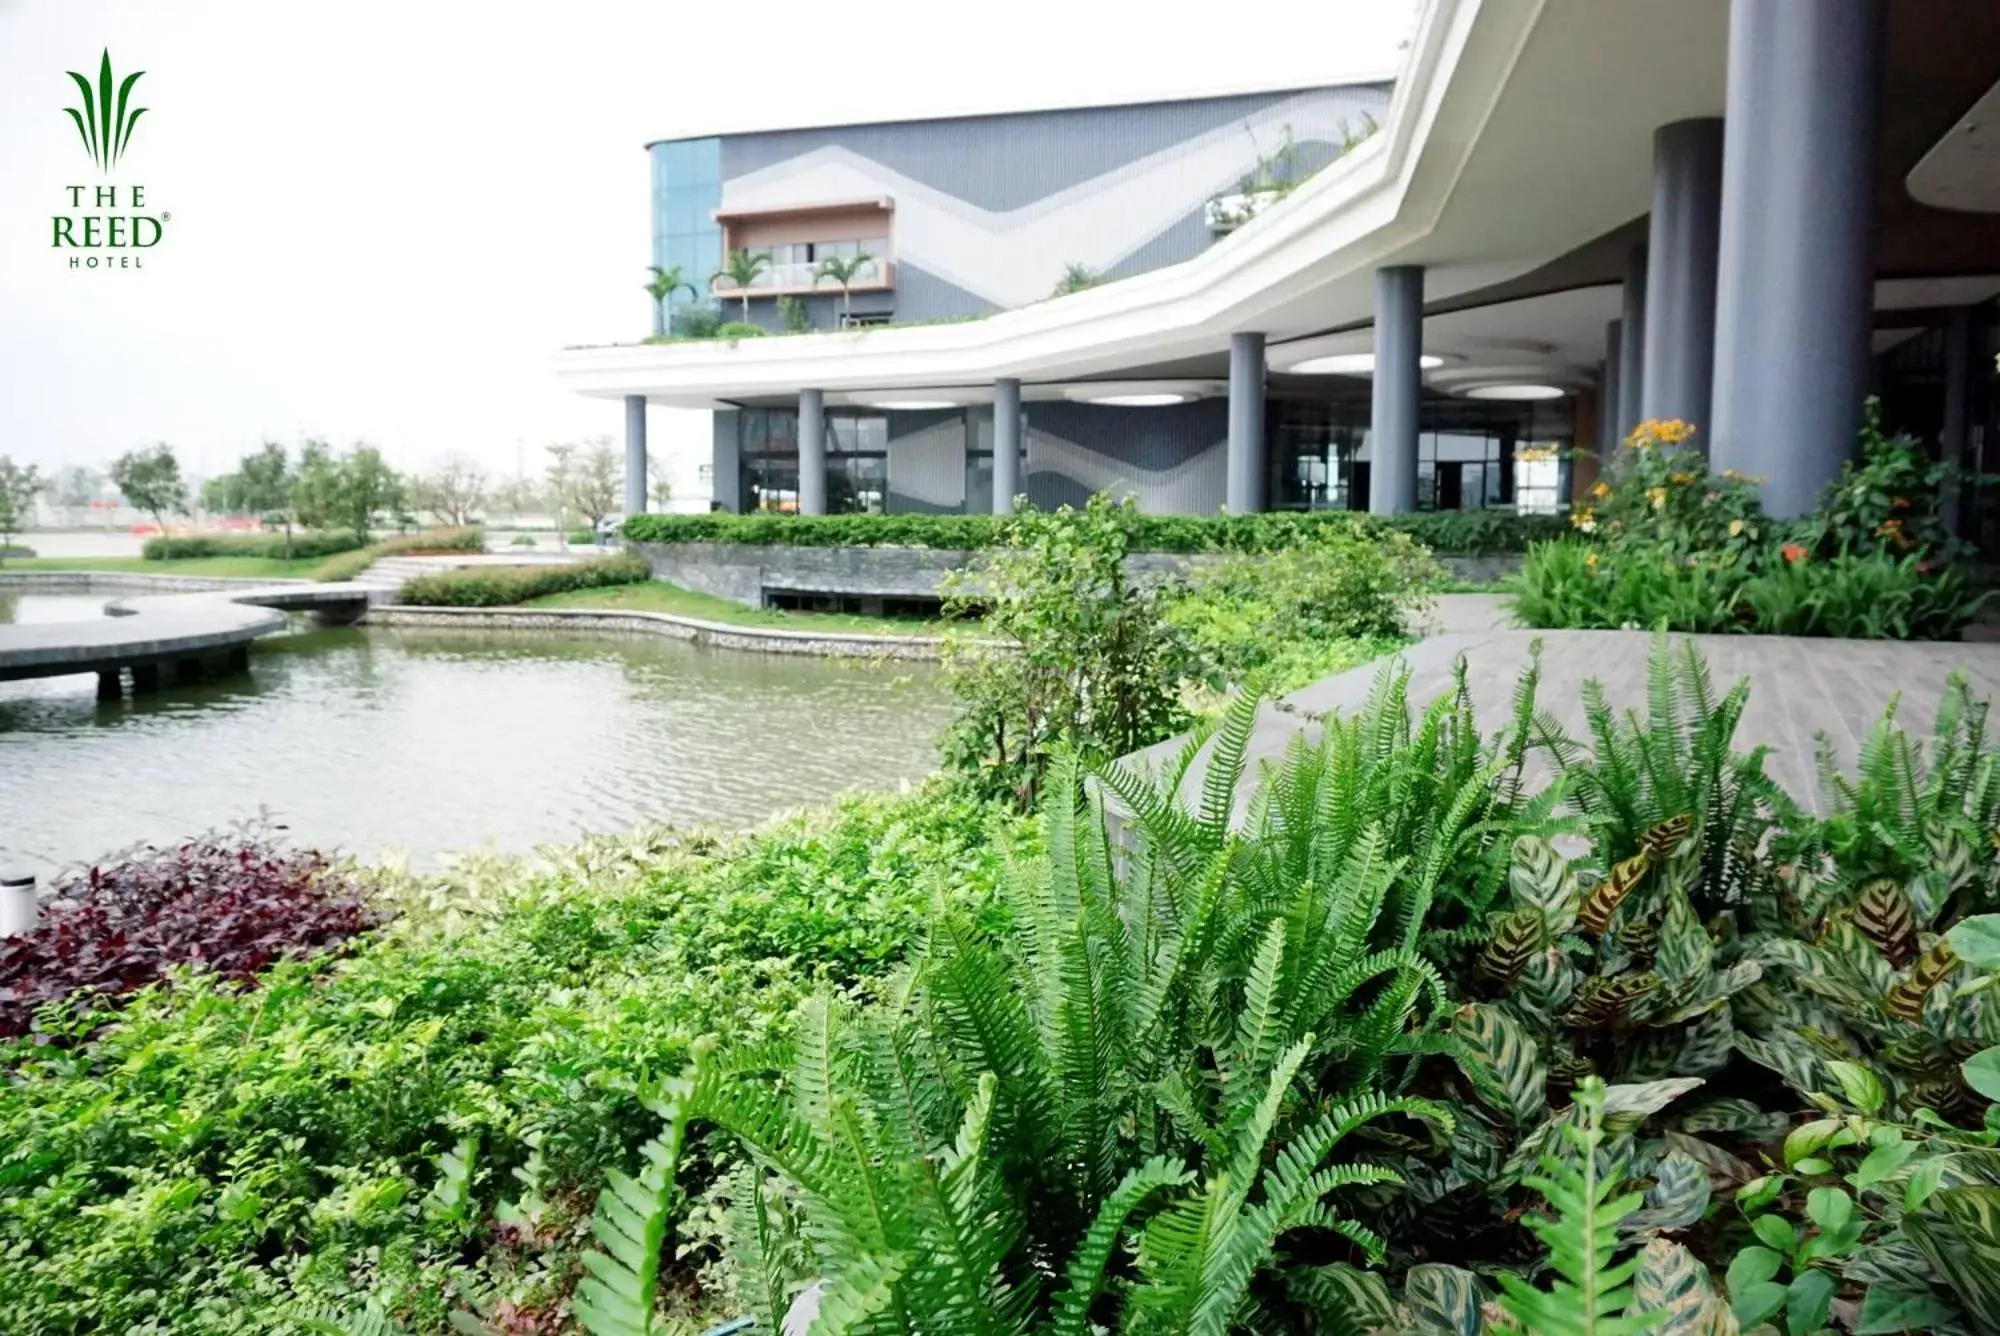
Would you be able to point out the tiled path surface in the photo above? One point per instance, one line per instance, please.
(1797, 687)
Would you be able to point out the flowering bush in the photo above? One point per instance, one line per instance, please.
(1891, 498)
(229, 903)
(1675, 547)
(1658, 497)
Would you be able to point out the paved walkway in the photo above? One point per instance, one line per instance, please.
(1798, 687)
(159, 628)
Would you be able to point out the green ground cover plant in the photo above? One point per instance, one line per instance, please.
(499, 586)
(347, 565)
(222, 1158)
(1667, 545)
(1447, 532)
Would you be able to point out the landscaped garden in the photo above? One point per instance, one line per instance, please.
(1665, 543)
(1411, 1046)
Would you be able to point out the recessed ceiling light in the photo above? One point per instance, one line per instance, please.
(1516, 392)
(912, 405)
(1140, 400)
(1351, 364)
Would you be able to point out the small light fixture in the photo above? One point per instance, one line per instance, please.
(911, 405)
(1160, 400)
(1351, 364)
(1516, 393)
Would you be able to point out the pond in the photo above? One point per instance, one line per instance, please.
(429, 742)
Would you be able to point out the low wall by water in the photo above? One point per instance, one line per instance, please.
(69, 582)
(627, 622)
(749, 573)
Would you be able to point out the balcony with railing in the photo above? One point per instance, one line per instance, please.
(797, 277)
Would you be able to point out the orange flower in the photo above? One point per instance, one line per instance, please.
(1602, 490)
(1900, 503)
(1794, 553)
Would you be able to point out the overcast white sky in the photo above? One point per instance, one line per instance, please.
(388, 214)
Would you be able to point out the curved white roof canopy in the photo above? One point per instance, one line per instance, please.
(1518, 131)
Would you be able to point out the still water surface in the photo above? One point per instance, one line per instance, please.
(435, 741)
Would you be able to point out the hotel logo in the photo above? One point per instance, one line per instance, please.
(106, 226)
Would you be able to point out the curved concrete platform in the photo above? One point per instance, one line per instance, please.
(144, 632)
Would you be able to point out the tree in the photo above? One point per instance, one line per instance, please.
(19, 484)
(73, 488)
(843, 272)
(658, 485)
(665, 283)
(452, 492)
(741, 271)
(315, 489)
(150, 480)
(517, 495)
(223, 495)
(264, 486)
(366, 487)
(586, 479)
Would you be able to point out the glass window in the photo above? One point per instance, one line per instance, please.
(705, 162)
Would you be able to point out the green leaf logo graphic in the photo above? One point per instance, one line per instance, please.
(106, 119)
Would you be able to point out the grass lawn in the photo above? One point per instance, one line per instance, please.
(253, 567)
(659, 596)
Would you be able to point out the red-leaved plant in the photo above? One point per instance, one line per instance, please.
(231, 902)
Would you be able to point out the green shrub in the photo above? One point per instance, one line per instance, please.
(306, 543)
(347, 565)
(1865, 596)
(221, 1159)
(739, 329)
(1454, 533)
(1267, 622)
(498, 586)
(1069, 652)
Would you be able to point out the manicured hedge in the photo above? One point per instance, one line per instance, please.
(1450, 532)
(497, 586)
(307, 543)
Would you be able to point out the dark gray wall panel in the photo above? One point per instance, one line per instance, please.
(727, 482)
(1170, 459)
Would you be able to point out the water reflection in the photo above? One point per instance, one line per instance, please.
(438, 741)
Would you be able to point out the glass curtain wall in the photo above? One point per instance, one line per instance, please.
(857, 460)
(1470, 455)
(687, 189)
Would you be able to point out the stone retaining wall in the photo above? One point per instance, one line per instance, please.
(625, 622)
(747, 573)
(74, 581)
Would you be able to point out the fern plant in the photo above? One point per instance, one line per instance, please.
(1122, 1107)
(631, 1220)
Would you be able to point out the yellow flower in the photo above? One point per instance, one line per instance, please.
(1590, 560)
(1681, 479)
(1658, 496)
(1582, 517)
(1735, 528)
(1601, 491)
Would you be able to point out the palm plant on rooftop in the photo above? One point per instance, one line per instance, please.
(843, 270)
(741, 270)
(666, 281)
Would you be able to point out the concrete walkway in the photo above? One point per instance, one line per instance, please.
(1798, 687)
(145, 632)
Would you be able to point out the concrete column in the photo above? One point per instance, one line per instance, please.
(110, 686)
(1686, 232)
(239, 659)
(145, 678)
(1608, 436)
(635, 454)
(1795, 275)
(1245, 482)
(1955, 432)
(1399, 348)
(1632, 345)
(1006, 444)
(812, 452)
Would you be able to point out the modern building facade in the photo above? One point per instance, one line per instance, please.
(1558, 217)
